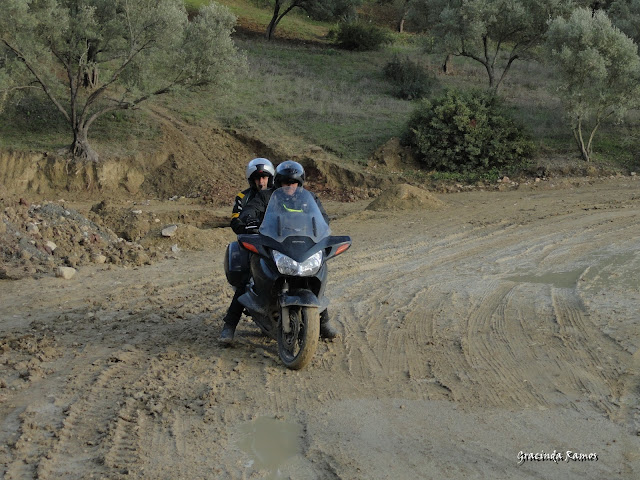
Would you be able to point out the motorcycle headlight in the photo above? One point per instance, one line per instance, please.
(288, 266)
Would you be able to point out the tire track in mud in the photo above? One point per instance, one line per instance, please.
(587, 353)
(75, 427)
(429, 314)
(495, 353)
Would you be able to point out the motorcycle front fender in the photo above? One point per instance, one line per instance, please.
(303, 298)
(299, 298)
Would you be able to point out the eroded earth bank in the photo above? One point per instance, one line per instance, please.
(492, 324)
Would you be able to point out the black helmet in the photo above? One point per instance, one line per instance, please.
(291, 171)
(259, 166)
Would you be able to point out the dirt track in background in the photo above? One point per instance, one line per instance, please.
(499, 323)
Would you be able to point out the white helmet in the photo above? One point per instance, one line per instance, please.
(259, 166)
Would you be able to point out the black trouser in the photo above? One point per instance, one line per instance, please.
(236, 308)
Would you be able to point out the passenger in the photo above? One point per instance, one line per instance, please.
(259, 175)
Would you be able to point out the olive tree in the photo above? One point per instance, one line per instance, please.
(494, 33)
(625, 14)
(598, 71)
(400, 9)
(317, 9)
(91, 57)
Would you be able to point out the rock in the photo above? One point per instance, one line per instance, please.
(32, 228)
(65, 272)
(98, 258)
(169, 231)
(72, 260)
(175, 248)
(50, 245)
(139, 258)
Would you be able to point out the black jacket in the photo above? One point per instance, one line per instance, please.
(257, 206)
(242, 199)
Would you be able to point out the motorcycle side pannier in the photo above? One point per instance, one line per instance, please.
(236, 264)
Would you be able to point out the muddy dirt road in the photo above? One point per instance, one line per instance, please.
(475, 337)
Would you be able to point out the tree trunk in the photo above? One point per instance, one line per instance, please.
(447, 67)
(403, 17)
(274, 20)
(577, 134)
(401, 25)
(90, 79)
(492, 77)
(80, 148)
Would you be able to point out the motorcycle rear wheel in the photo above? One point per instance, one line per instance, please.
(297, 348)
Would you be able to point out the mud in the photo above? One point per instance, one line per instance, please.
(485, 337)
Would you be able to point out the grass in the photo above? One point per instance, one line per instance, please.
(32, 123)
(312, 93)
(255, 16)
(334, 99)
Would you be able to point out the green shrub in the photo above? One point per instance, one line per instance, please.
(410, 79)
(467, 132)
(361, 36)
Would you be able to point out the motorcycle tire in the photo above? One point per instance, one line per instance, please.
(297, 348)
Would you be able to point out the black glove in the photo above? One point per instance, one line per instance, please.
(252, 226)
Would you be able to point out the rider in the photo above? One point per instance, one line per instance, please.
(259, 174)
(289, 175)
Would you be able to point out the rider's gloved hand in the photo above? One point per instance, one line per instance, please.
(252, 226)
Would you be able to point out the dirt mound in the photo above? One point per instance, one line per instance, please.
(188, 237)
(139, 219)
(37, 239)
(404, 197)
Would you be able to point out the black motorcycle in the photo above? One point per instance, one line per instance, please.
(285, 264)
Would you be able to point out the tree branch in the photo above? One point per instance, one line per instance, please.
(99, 91)
(39, 79)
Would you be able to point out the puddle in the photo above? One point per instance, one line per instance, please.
(269, 443)
(620, 269)
(558, 280)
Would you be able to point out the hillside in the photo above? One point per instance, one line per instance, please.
(301, 99)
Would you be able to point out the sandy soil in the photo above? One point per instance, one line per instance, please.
(479, 329)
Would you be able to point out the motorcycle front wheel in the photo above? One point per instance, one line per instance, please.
(297, 348)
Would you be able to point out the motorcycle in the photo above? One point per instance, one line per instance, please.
(285, 264)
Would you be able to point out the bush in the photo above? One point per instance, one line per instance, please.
(361, 36)
(410, 79)
(467, 132)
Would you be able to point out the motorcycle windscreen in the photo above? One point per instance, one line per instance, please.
(293, 212)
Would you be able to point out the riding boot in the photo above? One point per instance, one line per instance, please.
(327, 330)
(232, 318)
